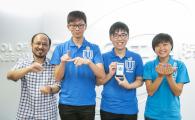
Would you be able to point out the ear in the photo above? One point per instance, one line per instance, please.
(85, 26)
(111, 38)
(68, 26)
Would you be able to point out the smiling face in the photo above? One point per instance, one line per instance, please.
(163, 50)
(162, 44)
(40, 46)
(119, 39)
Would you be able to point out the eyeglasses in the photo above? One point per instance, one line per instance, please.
(74, 26)
(122, 36)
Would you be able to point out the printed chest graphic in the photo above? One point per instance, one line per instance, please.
(130, 65)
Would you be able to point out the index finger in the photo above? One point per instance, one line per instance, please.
(68, 52)
(70, 60)
(117, 79)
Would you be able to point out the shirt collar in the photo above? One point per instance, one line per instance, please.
(72, 44)
(31, 60)
(114, 54)
(170, 61)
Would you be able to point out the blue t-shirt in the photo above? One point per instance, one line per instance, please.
(116, 99)
(78, 84)
(164, 105)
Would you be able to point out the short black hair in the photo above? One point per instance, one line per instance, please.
(32, 40)
(162, 38)
(118, 26)
(74, 15)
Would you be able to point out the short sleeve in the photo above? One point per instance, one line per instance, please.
(19, 64)
(55, 59)
(139, 66)
(97, 55)
(182, 73)
(147, 75)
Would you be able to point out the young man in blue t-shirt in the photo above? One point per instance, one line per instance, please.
(164, 78)
(78, 64)
(124, 71)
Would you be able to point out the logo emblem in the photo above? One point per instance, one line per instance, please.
(129, 64)
(87, 53)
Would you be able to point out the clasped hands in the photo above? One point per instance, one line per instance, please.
(78, 61)
(164, 69)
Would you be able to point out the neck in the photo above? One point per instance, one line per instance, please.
(120, 53)
(78, 41)
(164, 60)
(39, 60)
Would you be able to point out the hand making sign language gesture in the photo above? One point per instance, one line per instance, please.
(78, 66)
(38, 85)
(164, 69)
(36, 67)
(78, 61)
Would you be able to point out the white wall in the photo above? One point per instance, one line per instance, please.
(20, 19)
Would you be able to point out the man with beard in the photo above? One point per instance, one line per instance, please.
(38, 86)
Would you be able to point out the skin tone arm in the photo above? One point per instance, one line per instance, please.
(124, 83)
(60, 69)
(104, 80)
(112, 70)
(176, 88)
(50, 89)
(162, 71)
(152, 87)
(98, 69)
(15, 75)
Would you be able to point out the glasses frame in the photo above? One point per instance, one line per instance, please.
(122, 36)
(79, 26)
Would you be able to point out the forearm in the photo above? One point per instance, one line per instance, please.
(15, 75)
(105, 80)
(97, 69)
(59, 71)
(137, 83)
(175, 88)
(153, 87)
(50, 89)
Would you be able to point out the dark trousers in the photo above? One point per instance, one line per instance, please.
(111, 116)
(147, 118)
(68, 112)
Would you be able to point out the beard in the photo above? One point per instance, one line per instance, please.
(39, 55)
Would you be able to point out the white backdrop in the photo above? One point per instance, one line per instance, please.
(20, 19)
